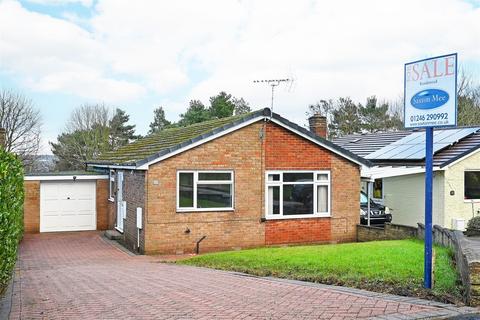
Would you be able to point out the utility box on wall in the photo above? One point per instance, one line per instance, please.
(139, 218)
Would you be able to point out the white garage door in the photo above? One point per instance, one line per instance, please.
(67, 206)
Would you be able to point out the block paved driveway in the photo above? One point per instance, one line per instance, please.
(84, 276)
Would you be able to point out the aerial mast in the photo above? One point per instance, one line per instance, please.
(273, 83)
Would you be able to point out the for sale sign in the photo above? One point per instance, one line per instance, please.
(431, 92)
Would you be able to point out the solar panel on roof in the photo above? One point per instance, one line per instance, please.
(412, 147)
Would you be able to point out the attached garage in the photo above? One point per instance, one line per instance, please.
(67, 206)
(65, 202)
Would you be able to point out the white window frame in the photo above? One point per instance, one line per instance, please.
(111, 182)
(464, 186)
(196, 181)
(315, 184)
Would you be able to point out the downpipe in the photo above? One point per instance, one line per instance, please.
(197, 249)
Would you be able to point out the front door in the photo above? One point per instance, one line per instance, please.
(120, 202)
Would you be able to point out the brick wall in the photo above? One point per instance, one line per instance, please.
(389, 232)
(102, 204)
(312, 230)
(285, 150)
(31, 207)
(345, 199)
(134, 195)
(240, 151)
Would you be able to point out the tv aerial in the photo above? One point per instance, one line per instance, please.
(274, 83)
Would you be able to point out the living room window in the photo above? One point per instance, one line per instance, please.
(297, 194)
(472, 185)
(205, 190)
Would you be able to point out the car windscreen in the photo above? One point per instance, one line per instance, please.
(363, 198)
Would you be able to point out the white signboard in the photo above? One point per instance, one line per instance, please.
(431, 92)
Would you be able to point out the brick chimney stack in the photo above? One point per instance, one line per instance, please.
(2, 138)
(318, 125)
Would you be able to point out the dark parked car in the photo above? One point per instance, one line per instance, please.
(379, 214)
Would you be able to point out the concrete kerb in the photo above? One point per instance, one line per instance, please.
(6, 299)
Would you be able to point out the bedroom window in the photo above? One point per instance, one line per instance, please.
(297, 194)
(472, 185)
(205, 190)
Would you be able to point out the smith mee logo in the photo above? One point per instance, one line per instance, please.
(429, 99)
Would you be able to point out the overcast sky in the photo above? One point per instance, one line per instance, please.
(138, 55)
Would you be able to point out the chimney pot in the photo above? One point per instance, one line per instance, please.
(318, 125)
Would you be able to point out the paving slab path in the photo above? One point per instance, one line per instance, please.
(84, 276)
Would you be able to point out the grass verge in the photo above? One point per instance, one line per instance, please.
(383, 266)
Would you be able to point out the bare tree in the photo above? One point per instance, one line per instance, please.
(22, 123)
(85, 137)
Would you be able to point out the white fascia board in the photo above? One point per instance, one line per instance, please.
(59, 178)
(387, 172)
(316, 142)
(112, 166)
(200, 142)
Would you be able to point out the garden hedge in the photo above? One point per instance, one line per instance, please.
(11, 213)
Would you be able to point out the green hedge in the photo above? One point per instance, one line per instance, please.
(11, 212)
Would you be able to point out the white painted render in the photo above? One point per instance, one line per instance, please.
(456, 206)
(405, 196)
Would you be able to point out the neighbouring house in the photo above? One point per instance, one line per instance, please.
(399, 175)
(244, 181)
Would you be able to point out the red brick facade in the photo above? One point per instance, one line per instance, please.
(309, 230)
(248, 154)
(286, 150)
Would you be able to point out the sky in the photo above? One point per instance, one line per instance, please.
(138, 55)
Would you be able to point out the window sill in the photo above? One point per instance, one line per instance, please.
(205, 210)
(309, 216)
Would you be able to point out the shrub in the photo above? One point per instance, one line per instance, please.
(474, 223)
(11, 212)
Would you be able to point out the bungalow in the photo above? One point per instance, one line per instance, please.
(244, 181)
(398, 173)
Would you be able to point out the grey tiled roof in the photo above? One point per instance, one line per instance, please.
(168, 141)
(365, 144)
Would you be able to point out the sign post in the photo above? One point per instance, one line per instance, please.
(430, 101)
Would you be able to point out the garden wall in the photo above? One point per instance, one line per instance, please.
(390, 232)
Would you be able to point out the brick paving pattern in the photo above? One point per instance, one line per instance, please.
(84, 276)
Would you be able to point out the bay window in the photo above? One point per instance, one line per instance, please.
(297, 194)
(204, 190)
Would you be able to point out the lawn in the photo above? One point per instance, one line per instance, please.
(385, 266)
